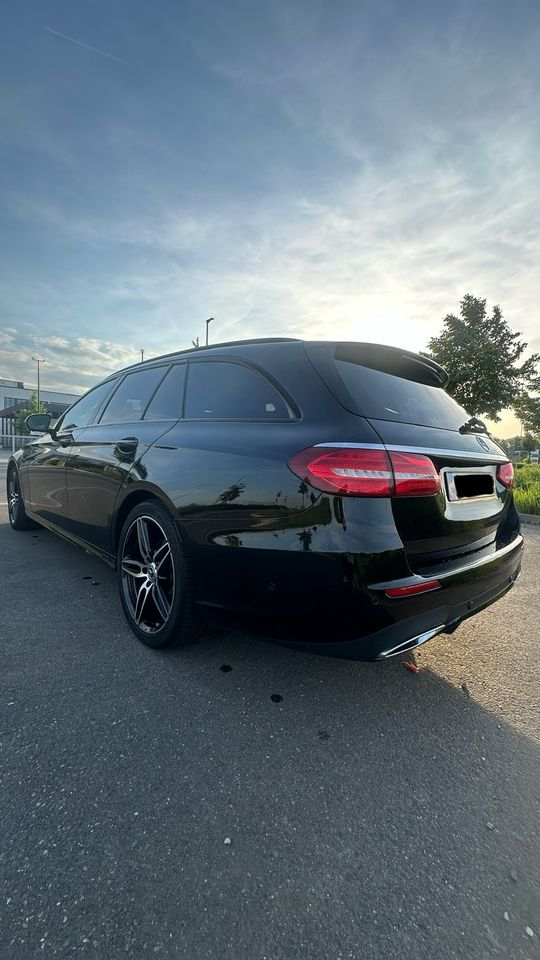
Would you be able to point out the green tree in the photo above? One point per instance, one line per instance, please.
(31, 407)
(527, 410)
(526, 443)
(506, 444)
(483, 357)
(530, 442)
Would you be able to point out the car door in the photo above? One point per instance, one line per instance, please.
(44, 460)
(226, 468)
(105, 452)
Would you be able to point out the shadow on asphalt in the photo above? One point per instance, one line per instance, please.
(372, 813)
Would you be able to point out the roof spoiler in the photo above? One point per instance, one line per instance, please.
(393, 360)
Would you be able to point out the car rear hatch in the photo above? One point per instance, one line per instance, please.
(403, 398)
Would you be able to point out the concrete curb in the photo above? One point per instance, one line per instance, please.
(533, 518)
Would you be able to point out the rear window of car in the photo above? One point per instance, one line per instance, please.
(225, 390)
(387, 385)
(382, 396)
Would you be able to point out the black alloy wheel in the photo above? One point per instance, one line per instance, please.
(154, 580)
(17, 514)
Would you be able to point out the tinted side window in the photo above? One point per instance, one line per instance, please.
(130, 400)
(166, 404)
(83, 412)
(222, 390)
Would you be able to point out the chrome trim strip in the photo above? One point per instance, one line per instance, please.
(413, 642)
(482, 562)
(433, 451)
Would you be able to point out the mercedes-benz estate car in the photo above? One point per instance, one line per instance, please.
(323, 494)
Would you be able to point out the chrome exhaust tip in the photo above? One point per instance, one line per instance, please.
(412, 643)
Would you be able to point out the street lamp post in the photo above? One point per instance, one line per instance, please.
(207, 322)
(38, 360)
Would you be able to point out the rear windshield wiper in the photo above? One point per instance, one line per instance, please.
(474, 425)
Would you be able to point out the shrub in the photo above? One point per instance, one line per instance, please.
(527, 488)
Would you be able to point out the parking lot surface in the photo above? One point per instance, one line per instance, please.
(164, 804)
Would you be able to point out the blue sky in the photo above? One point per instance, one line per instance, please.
(308, 168)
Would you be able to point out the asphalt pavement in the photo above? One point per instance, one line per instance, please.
(240, 800)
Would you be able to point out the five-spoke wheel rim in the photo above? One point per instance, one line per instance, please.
(14, 496)
(148, 580)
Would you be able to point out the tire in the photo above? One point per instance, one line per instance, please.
(154, 580)
(17, 514)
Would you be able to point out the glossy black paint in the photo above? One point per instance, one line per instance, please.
(269, 553)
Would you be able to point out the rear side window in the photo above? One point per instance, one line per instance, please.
(221, 390)
(166, 404)
(383, 396)
(130, 400)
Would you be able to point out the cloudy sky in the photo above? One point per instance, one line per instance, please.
(315, 168)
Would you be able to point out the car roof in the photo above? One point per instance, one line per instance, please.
(212, 349)
(194, 351)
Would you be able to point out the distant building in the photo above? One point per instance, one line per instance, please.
(13, 393)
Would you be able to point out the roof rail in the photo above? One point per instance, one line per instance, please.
(212, 346)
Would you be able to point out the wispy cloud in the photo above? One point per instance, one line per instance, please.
(287, 168)
(385, 258)
(102, 53)
(72, 364)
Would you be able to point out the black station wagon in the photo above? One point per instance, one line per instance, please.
(323, 494)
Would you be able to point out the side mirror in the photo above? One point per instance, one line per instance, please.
(38, 422)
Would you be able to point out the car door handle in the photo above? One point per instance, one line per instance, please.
(126, 446)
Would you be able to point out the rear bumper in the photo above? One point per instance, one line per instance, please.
(417, 619)
(450, 617)
(492, 562)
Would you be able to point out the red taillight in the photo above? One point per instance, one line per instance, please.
(349, 471)
(505, 474)
(414, 475)
(360, 472)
